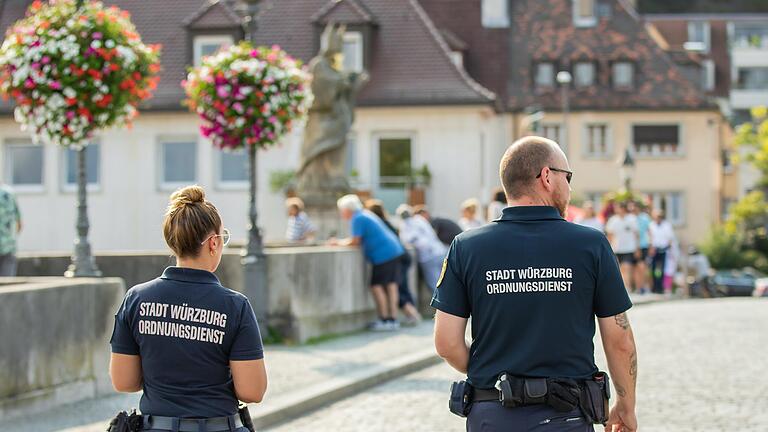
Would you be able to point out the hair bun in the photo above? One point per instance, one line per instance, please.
(189, 195)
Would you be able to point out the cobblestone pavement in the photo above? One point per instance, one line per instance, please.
(702, 366)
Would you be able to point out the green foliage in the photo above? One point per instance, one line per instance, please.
(743, 239)
(281, 180)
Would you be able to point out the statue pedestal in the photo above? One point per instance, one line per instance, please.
(320, 206)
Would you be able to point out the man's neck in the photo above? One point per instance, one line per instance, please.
(528, 201)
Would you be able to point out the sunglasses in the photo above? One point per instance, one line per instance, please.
(568, 174)
(225, 236)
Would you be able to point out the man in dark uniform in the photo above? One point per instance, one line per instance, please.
(533, 284)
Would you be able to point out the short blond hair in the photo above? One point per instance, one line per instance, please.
(350, 202)
(295, 202)
(470, 204)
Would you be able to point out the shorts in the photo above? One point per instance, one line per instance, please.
(387, 272)
(627, 258)
(644, 254)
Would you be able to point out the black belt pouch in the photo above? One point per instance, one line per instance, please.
(461, 398)
(594, 401)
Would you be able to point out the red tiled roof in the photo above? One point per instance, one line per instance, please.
(409, 61)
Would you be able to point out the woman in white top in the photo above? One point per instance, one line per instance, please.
(662, 238)
(416, 231)
(623, 235)
(469, 218)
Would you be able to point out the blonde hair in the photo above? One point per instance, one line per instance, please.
(189, 219)
(295, 202)
(471, 204)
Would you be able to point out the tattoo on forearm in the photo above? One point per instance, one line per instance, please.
(633, 366)
(622, 321)
(620, 390)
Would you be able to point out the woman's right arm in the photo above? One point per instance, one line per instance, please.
(250, 378)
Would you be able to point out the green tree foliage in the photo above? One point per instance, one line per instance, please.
(743, 239)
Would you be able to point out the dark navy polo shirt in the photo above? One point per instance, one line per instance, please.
(187, 327)
(533, 284)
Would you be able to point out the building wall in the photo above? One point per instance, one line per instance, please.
(696, 173)
(126, 210)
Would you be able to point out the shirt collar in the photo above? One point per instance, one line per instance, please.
(529, 213)
(184, 274)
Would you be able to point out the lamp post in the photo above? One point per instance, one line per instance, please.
(564, 79)
(83, 263)
(627, 165)
(253, 259)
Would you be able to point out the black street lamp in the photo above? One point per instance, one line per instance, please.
(253, 258)
(626, 169)
(83, 263)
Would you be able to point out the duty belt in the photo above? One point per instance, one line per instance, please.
(213, 424)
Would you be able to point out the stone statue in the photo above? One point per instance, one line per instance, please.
(321, 178)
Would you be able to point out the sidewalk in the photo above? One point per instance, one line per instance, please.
(301, 378)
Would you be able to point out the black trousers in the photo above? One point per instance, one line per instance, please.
(657, 270)
(492, 417)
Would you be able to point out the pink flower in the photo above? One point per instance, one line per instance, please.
(55, 85)
(29, 83)
(35, 65)
(96, 35)
(70, 115)
(222, 91)
(46, 60)
(238, 107)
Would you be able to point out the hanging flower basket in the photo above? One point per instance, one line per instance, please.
(75, 70)
(248, 96)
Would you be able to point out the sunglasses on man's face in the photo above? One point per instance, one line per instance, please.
(568, 174)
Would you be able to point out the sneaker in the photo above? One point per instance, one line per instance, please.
(379, 326)
(393, 325)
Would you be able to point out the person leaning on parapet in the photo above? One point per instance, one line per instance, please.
(445, 229)
(532, 284)
(192, 345)
(468, 219)
(416, 231)
(300, 228)
(404, 297)
(10, 226)
(382, 248)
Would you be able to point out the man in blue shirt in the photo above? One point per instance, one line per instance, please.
(382, 248)
(533, 283)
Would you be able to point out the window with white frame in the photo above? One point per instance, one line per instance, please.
(353, 51)
(232, 169)
(206, 45)
(698, 36)
(584, 74)
(178, 162)
(584, 13)
(672, 204)
(24, 165)
(495, 13)
(545, 74)
(552, 131)
(656, 140)
(597, 140)
(708, 80)
(623, 75)
(92, 167)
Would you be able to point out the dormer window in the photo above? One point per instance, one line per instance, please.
(353, 51)
(495, 13)
(584, 74)
(545, 74)
(698, 36)
(206, 45)
(623, 75)
(584, 13)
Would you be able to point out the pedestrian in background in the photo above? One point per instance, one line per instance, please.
(445, 228)
(192, 374)
(662, 238)
(10, 226)
(622, 233)
(405, 299)
(644, 239)
(416, 231)
(382, 248)
(589, 218)
(469, 218)
(300, 228)
(497, 204)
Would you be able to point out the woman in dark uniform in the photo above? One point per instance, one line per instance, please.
(190, 344)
